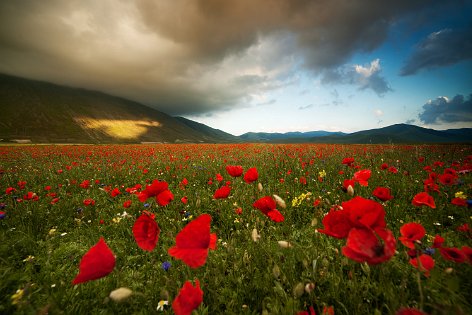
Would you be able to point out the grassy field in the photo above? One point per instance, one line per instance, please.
(337, 249)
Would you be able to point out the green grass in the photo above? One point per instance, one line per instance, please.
(241, 276)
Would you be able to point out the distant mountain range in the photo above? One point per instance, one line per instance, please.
(41, 112)
(274, 137)
(399, 133)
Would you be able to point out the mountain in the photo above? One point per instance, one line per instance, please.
(42, 112)
(293, 136)
(209, 134)
(400, 133)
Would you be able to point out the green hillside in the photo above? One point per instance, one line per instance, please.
(48, 113)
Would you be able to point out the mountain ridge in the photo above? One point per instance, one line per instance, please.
(41, 112)
(44, 112)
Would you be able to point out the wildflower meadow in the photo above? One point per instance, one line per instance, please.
(235, 229)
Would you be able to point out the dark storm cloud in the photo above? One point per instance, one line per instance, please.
(191, 57)
(442, 48)
(444, 110)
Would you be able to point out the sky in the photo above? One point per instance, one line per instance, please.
(256, 66)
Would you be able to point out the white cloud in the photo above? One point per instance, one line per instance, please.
(363, 76)
(378, 113)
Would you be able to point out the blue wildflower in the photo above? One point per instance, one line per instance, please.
(166, 265)
(429, 251)
(3, 214)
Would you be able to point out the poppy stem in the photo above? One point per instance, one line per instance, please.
(420, 288)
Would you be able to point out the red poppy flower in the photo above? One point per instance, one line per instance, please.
(9, 190)
(311, 311)
(31, 196)
(453, 254)
(267, 205)
(127, 204)
(382, 193)
(134, 189)
(85, 184)
(193, 242)
(426, 261)
(98, 262)
(447, 179)
(218, 177)
(459, 202)
(438, 241)
(222, 192)
(362, 177)
(115, 192)
(464, 228)
(366, 245)
(188, 299)
(384, 166)
(433, 176)
(365, 213)
(234, 170)
(184, 200)
(411, 232)
(336, 223)
(89, 202)
(164, 198)
(328, 310)
(146, 231)
(347, 183)
(157, 189)
(409, 311)
(467, 251)
(183, 183)
(430, 185)
(423, 199)
(251, 175)
(348, 161)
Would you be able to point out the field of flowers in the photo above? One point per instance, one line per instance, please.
(235, 229)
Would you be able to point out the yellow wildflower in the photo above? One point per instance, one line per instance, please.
(460, 194)
(15, 298)
(298, 200)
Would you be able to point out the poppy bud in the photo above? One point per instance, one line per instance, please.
(120, 294)
(284, 244)
(255, 235)
(298, 290)
(350, 190)
(259, 187)
(309, 287)
(280, 202)
(276, 271)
